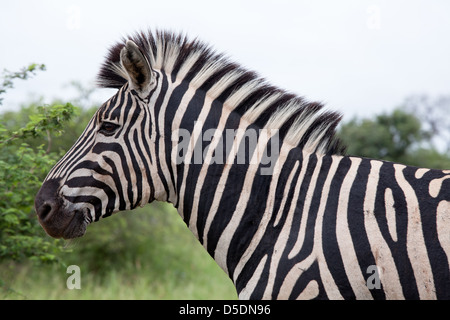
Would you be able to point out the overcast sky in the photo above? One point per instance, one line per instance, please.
(360, 57)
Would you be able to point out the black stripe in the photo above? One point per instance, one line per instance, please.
(330, 245)
(85, 141)
(117, 181)
(131, 120)
(101, 147)
(175, 100)
(80, 182)
(125, 109)
(428, 209)
(157, 109)
(96, 202)
(187, 123)
(356, 221)
(399, 248)
(308, 243)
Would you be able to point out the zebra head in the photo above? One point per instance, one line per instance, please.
(105, 172)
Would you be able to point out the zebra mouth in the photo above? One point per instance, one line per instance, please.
(77, 226)
(60, 219)
(64, 224)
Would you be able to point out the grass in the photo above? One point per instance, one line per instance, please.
(149, 254)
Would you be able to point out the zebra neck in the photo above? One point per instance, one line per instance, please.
(228, 206)
(225, 202)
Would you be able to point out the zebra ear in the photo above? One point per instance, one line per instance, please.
(138, 68)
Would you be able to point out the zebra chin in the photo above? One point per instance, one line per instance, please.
(58, 218)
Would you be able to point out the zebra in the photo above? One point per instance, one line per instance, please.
(296, 218)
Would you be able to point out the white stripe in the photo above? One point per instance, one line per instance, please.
(223, 244)
(232, 100)
(292, 277)
(268, 213)
(443, 226)
(310, 292)
(190, 156)
(391, 218)
(436, 185)
(344, 238)
(284, 234)
(420, 172)
(383, 256)
(161, 125)
(221, 186)
(327, 279)
(305, 210)
(254, 280)
(415, 243)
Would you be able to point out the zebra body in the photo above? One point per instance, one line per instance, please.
(259, 179)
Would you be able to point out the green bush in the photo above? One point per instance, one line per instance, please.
(22, 169)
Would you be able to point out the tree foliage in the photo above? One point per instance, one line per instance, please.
(9, 77)
(22, 169)
(399, 136)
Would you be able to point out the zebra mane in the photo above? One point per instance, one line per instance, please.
(300, 123)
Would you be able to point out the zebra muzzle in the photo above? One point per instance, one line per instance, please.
(56, 218)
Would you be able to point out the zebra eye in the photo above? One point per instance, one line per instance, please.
(108, 128)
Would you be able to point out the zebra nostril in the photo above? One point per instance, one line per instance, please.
(47, 201)
(44, 211)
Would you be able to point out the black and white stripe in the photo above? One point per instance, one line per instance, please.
(313, 228)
